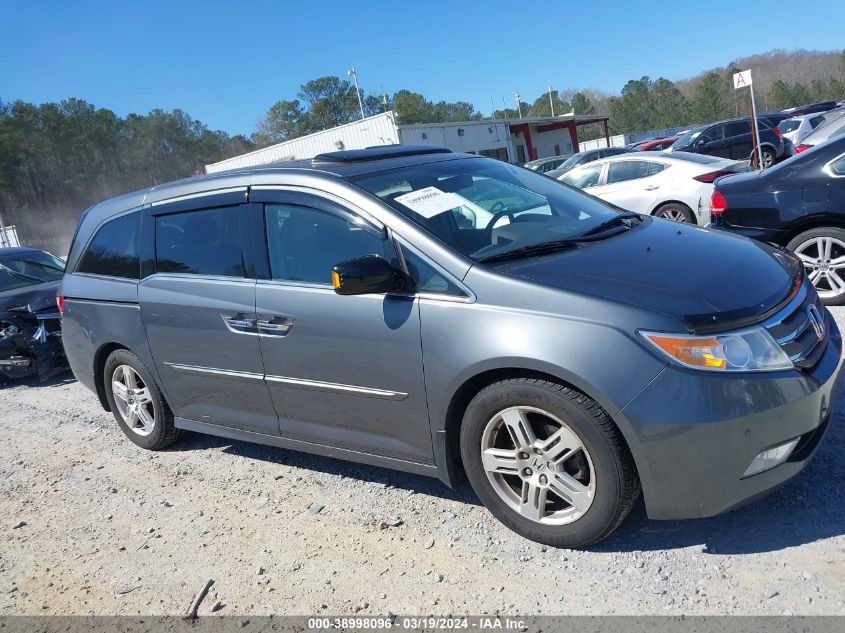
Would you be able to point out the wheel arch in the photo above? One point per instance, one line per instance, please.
(810, 223)
(447, 439)
(663, 203)
(100, 357)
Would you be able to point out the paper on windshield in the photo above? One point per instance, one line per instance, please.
(430, 201)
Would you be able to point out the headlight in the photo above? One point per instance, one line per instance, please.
(749, 350)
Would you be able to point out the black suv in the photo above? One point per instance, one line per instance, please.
(732, 139)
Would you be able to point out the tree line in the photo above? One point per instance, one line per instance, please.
(58, 158)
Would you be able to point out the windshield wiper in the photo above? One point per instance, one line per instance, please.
(527, 251)
(617, 220)
(595, 234)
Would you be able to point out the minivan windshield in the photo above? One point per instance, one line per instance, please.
(484, 208)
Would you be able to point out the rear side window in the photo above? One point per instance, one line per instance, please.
(205, 242)
(816, 121)
(114, 250)
(737, 128)
(838, 166)
(631, 170)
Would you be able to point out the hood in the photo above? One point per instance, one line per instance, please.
(706, 279)
(38, 297)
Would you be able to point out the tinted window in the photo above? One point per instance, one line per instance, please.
(36, 265)
(305, 243)
(427, 278)
(630, 170)
(114, 249)
(838, 166)
(614, 151)
(816, 121)
(715, 133)
(737, 128)
(206, 242)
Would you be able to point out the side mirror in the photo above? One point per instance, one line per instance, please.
(365, 275)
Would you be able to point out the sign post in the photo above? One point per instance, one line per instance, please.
(741, 80)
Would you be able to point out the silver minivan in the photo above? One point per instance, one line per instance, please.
(456, 316)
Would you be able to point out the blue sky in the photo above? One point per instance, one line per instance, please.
(225, 63)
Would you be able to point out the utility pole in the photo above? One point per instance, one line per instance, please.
(518, 104)
(551, 101)
(353, 73)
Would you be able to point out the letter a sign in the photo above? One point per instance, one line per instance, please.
(743, 79)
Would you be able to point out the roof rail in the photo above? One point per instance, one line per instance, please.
(379, 152)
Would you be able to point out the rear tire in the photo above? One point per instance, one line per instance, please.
(819, 249)
(564, 477)
(676, 212)
(137, 403)
(769, 157)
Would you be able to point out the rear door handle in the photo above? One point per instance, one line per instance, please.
(239, 323)
(279, 325)
(652, 187)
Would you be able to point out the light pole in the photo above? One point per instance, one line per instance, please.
(518, 104)
(551, 101)
(352, 73)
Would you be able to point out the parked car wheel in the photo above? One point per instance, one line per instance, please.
(137, 403)
(822, 251)
(548, 462)
(675, 211)
(769, 157)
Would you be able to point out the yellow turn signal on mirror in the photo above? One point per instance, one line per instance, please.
(335, 279)
(697, 352)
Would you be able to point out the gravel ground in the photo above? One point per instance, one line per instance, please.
(93, 525)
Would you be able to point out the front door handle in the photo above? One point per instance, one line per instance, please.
(652, 187)
(274, 326)
(239, 323)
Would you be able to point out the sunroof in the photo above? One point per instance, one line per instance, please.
(376, 153)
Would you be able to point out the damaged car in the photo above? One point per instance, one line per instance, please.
(30, 324)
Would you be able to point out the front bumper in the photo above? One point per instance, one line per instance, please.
(698, 432)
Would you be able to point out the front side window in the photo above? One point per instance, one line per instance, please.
(114, 250)
(304, 243)
(427, 279)
(204, 242)
(715, 133)
(523, 208)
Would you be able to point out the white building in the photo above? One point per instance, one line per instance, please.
(513, 140)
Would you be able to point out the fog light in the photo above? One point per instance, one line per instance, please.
(771, 457)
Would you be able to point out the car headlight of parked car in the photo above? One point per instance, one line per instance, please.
(753, 349)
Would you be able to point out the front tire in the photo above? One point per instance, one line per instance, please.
(137, 403)
(548, 462)
(822, 251)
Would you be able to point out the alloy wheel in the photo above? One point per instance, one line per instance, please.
(133, 400)
(824, 259)
(538, 465)
(676, 215)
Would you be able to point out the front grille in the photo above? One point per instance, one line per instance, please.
(794, 330)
